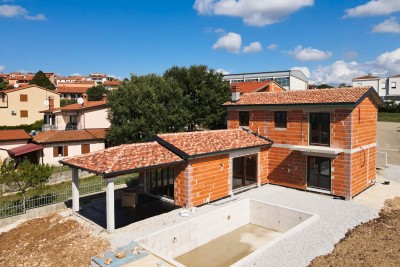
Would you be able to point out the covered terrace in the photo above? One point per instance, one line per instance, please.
(116, 161)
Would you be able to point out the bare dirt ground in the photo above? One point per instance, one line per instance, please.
(375, 243)
(49, 241)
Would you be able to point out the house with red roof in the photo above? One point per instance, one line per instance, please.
(255, 86)
(315, 140)
(10, 139)
(73, 90)
(88, 115)
(387, 88)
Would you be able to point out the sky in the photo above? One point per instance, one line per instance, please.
(331, 41)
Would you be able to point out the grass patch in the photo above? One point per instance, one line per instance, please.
(386, 116)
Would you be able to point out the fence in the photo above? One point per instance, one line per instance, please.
(63, 194)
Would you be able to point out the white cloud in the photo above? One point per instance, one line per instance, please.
(230, 42)
(253, 12)
(305, 70)
(309, 54)
(219, 30)
(272, 47)
(223, 71)
(11, 11)
(253, 47)
(350, 54)
(387, 26)
(384, 65)
(374, 8)
(2, 68)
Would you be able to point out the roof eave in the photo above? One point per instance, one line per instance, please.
(225, 151)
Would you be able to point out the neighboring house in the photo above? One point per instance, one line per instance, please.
(10, 139)
(324, 140)
(111, 85)
(288, 79)
(97, 78)
(252, 87)
(88, 115)
(74, 90)
(60, 144)
(19, 78)
(22, 105)
(387, 88)
(69, 79)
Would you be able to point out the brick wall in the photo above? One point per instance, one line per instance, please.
(181, 186)
(340, 177)
(263, 159)
(341, 120)
(364, 126)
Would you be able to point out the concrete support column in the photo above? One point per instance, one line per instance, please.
(75, 190)
(110, 205)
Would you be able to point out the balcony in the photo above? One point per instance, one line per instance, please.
(71, 126)
(48, 127)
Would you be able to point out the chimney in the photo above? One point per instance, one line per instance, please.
(85, 99)
(235, 93)
(104, 97)
(51, 103)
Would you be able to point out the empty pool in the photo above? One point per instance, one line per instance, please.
(226, 236)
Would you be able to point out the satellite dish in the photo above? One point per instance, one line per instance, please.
(46, 103)
(80, 101)
(16, 85)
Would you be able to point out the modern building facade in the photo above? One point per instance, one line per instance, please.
(387, 88)
(288, 79)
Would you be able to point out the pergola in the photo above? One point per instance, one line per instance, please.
(115, 161)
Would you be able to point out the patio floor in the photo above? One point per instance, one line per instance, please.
(95, 210)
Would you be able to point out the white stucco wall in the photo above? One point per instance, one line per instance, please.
(394, 90)
(362, 83)
(74, 149)
(94, 119)
(297, 84)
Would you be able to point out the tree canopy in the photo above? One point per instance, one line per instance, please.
(26, 175)
(324, 86)
(40, 79)
(96, 93)
(207, 91)
(145, 106)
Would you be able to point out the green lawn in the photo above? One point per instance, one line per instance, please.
(384, 116)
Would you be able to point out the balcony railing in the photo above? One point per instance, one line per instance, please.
(48, 127)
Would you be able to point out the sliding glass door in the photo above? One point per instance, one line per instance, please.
(244, 171)
(162, 182)
(319, 173)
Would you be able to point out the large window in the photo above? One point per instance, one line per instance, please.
(319, 129)
(283, 81)
(280, 119)
(162, 182)
(244, 171)
(243, 118)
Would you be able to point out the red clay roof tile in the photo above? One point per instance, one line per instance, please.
(69, 136)
(320, 96)
(124, 158)
(250, 87)
(197, 143)
(11, 135)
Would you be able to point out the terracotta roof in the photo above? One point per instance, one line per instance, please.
(24, 149)
(10, 135)
(22, 87)
(190, 144)
(87, 105)
(111, 83)
(124, 158)
(250, 87)
(395, 76)
(72, 90)
(310, 97)
(70, 136)
(366, 77)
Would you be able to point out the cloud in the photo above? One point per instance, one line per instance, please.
(309, 54)
(350, 54)
(305, 70)
(253, 47)
(272, 47)
(230, 42)
(14, 11)
(374, 8)
(2, 68)
(223, 71)
(253, 12)
(386, 64)
(387, 26)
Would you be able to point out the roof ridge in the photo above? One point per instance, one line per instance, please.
(123, 147)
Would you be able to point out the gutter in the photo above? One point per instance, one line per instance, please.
(261, 136)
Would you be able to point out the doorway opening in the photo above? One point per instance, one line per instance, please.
(244, 171)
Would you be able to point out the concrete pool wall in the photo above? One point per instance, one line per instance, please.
(184, 237)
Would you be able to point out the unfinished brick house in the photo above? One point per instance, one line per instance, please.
(324, 140)
(320, 140)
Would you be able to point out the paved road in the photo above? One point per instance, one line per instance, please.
(388, 135)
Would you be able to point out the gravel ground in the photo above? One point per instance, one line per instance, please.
(336, 217)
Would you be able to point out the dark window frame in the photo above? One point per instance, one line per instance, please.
(244, 118)
(280, 119)
(320, 126)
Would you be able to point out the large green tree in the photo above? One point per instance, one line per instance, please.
(96, 93)
(145, 106)
(207, 91)
(40, 79)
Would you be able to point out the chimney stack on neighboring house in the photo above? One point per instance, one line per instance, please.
(104, 97)
(51, 103)
(235, 93)
(85, 99)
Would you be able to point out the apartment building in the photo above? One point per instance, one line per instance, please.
(387, 88)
